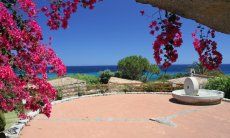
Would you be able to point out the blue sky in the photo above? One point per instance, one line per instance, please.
(114, 30)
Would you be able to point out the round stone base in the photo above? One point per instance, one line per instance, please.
(204, 97)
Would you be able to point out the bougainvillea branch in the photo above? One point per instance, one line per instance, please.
(169, 37)
(207, 48)
(59, 11)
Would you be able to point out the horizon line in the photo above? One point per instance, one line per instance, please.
(116, 65)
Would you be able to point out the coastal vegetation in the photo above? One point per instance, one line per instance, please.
(139, 68)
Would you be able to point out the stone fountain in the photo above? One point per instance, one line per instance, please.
(191, 94)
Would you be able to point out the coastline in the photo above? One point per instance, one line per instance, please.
(95, 69)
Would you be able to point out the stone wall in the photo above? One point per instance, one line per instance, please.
(69, 86)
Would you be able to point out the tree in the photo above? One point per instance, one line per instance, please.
(133, 67)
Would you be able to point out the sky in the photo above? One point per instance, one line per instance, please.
(114, 30)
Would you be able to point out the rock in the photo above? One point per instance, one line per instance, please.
(115, 80)
(124, 85)
(65, 81)
(212, 13)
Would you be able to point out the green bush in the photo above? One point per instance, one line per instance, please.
(90, 79)
(215, 73)
(105, 76)
(133, 67)
(220, 83)
(160, 87)
(2, 121)
(59, 93)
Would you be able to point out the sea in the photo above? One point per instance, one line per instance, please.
(95, 70)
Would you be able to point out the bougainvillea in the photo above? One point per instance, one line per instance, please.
(24, 59)
(207, 48)
(168, 39)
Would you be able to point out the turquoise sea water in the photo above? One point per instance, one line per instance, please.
(95, 70)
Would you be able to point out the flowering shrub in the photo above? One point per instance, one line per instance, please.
(24, 59)
(207, 48)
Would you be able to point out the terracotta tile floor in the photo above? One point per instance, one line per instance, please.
(127, 116)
